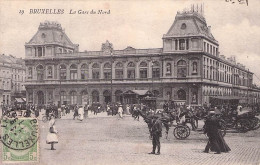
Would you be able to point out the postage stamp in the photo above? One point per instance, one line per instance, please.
(20, 140)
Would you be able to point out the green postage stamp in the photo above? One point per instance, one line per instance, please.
(19, 137)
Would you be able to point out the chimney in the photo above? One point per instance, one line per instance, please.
(209, 29)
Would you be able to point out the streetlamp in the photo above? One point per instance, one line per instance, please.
(60, 86)
(111, 77)
(152, 77)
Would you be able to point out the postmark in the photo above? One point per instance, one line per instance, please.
(20, 140)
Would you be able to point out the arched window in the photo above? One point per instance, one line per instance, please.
(40, 72)
(181, 94)
(95, 96)
(30, 73)
(119, 97)
(84, 71)
(131, 70)
(194, 68)
(73, 97)
(143, 70)
(119, 71)
(182, 69)
(194, 99)
(83, 98)
(169, 95)
(63, 72)
(107, 71)
(63, 97)
(156, 93)
(156, 69)
(107, 96)
(168, 69)
(73, 72)
(95, 71)
(49, 72)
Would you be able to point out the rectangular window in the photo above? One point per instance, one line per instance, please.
(95, 74)
(182, 44)
(84, 75)
(143, 73)
(39, 52)
(156, 72)
(73, 75)
(119, 74)
(63, 75)
(131, 74)
(187, 44)
(107, 75)
(182, 72)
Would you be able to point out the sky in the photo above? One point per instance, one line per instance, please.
(140, 24)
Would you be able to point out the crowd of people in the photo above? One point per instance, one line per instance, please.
(182, 112)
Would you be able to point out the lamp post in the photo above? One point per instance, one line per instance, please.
(152, 77)
(111, 76)
(60, 86)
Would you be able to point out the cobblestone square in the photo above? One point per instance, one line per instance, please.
(110, 140)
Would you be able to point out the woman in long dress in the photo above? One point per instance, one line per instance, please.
(52, 137)
(81, 113)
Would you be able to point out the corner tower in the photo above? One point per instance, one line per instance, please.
(49, 40)
(190, 33)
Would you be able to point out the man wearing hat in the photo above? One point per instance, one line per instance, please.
(156, 132)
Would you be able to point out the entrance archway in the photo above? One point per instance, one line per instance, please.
(181, 94)
(107, 96)
(40, 96)
(119, 96)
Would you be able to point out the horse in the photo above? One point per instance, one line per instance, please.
(166, 119)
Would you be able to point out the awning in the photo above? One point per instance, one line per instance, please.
(137, 92)
(24, 99)
(19, 100)
(226, 97)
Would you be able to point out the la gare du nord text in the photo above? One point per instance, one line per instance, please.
(62, 11)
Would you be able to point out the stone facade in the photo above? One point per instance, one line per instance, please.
(188, 69)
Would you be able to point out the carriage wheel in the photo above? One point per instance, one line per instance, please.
(223, 127)
(44, 119)
(181, 132)
(256, 123)
(242, 125)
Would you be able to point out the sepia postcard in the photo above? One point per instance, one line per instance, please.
(130, 82)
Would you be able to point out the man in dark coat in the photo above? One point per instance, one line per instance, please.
(156, 133)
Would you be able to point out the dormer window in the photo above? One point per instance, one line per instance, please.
(43, 35)
(183, 26)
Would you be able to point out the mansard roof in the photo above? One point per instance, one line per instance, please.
(190, 23)
(50, 33)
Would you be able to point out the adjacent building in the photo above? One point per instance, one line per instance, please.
(187, 69)
(12, 78)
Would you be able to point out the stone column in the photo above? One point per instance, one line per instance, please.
(173, 44)
(137, 71)
(89, 71)
(150, 67)
(190, 44)
(113, 70)
(101, 72)
(125, 70)
(78, 72)
(178, 44)
(185, 44)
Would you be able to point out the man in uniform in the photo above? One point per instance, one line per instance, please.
(156, 133)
